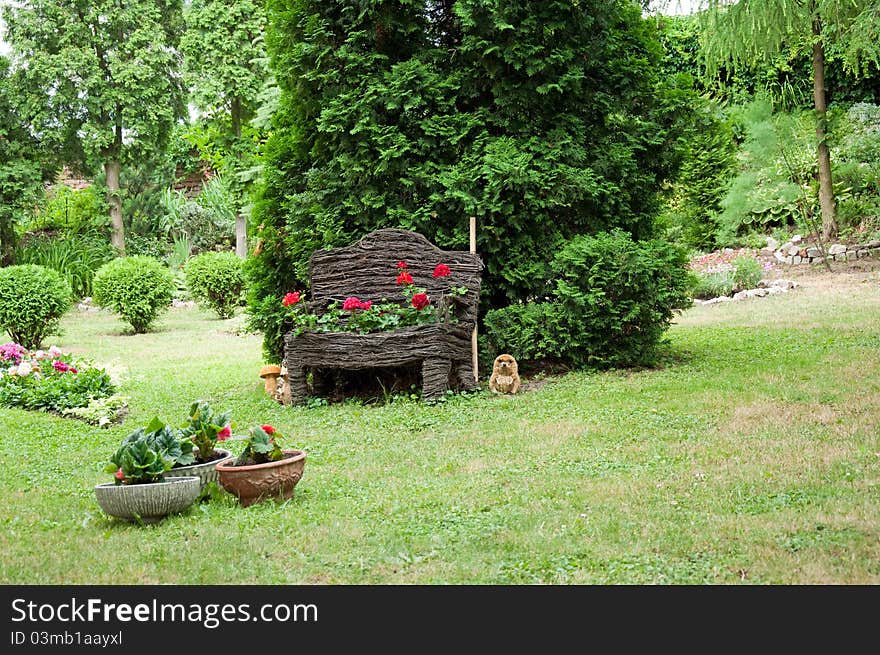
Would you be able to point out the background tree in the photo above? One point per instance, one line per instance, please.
(102, 80)
(227, 70)
(543, 119)
(24, 165)
(743, 32)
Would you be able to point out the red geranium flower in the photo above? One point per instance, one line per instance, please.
(420, 300)
(404, 278)
(401, 264)
(290, 299)
(441, 270)
(73, 370)
(351, 303)
(268, 429)
(224, 434)
(366, 305)
(119, 474)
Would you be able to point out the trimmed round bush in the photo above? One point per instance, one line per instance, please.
(216, 279)
(33, 299)
(613, 299)
(137, 288)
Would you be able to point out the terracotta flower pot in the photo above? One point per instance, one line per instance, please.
(205, 471)
(258, 482)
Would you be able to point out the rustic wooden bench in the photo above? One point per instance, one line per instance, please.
(368, 270)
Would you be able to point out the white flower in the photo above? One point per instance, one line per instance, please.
(25, 368)
(40, 354)
(54, 351)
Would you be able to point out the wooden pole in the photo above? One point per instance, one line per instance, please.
(474, 334)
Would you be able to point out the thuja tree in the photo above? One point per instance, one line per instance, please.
(542, 119)
(102, 79)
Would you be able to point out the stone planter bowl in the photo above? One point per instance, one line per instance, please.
(258, 482)
(206, 472)
(148, 502)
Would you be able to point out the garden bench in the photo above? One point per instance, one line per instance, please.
(368, 270)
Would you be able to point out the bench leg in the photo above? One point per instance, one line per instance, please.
(296, 382)
(435, 377)
(463, 373)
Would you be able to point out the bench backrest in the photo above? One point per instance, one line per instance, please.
(368, 270)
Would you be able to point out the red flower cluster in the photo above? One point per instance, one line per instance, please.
(404, 278)
(441, 270)
(352, 303)
(224, 434)
(401, 264)
(290, 299)
(61, 367)
(268, 429)
(420, 300)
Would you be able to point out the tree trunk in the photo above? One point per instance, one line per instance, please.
(117, 234)
(241, 236)
(235, 114)
(826, 186)
(7, 241)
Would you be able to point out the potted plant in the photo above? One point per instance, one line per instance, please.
(263, 470)
(203, 430)
(140, 491)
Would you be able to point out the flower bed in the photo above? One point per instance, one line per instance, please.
(53, 381)
(725, 272)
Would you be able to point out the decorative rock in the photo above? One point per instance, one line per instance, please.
(812, 252)
(837, 249)
(779, 256)
(759, 293)
(797, 259)
(773, 291)
(772, 244)
(741, 295)
(187, 304)
(863, 253)
(873, 244)
(793, 250)
(796, 238)
(785, 285)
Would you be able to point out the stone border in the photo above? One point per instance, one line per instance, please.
(794, 252)
(764, 289)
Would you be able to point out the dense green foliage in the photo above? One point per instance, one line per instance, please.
(72, 210)
(32, 301)
(101, 80)
(75, 256)
(613, 299)
(23, 164)
(543, 119)
(776, 186)
(217, 280)
(137, 288)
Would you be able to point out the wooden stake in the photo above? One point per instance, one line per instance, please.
(474, 334)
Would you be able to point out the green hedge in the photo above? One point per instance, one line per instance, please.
(216, 279)
(33, 299)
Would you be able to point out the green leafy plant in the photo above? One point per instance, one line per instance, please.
(205, 428)
(49, 380)
(32, 301)
(75, 256)
(713, 285)
(148, 452)
(217, 280)
(613, 299)
(747, 272)
(137, 288)
(260, 446)
(102, 412)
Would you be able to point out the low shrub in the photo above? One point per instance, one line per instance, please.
(613, 299)
(32, 301)
(712, 285)
(216, 279)
(137, 288)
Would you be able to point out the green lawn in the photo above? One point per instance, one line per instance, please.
(751, 456)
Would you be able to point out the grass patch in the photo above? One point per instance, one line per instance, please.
(751, 456)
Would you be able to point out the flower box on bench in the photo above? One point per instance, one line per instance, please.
(367, 270)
